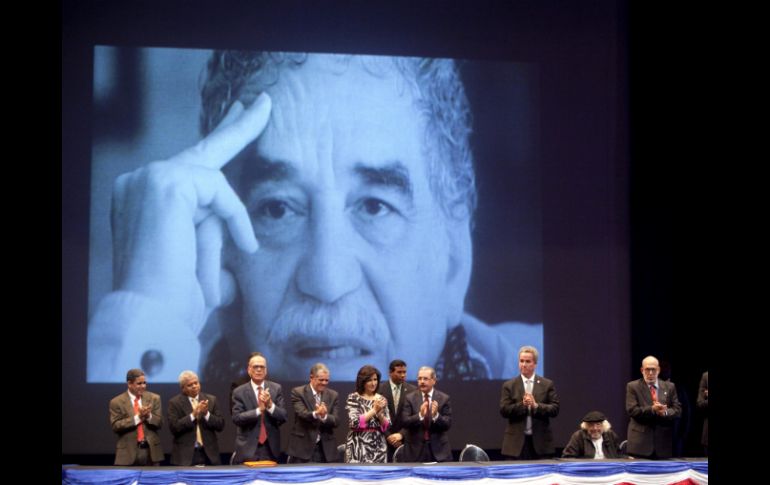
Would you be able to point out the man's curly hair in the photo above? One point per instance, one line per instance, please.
(243, 75)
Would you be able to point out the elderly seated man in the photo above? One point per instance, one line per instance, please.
(595, 439)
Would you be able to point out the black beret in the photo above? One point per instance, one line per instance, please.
(593, 417)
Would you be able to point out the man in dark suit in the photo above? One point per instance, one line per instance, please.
(703, 404)
(528, 402)
(136, 417)
(395, 390)
(652, 405)
(194, 419)
(427, 414)
(258, 413)
(315, 417)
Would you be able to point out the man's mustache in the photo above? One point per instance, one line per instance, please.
(349, 318)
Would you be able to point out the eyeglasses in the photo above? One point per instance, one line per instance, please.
(257, 367)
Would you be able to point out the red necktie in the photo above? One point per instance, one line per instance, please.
(262, 430)
(139, 427)
(426, 420)
(654, 394)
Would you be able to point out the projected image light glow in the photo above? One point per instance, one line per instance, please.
(315, 208)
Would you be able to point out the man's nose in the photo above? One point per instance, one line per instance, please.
(329, 269)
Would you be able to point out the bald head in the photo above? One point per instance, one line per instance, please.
(650, 369)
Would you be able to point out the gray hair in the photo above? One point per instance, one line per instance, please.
(319, 367)
(185, 376)
(242, 75)
(431, 369)
(531, 350)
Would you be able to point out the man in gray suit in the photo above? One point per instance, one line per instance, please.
(315, 417)
(528, 402)
(652, 405)
(395, 390)
(258, 412)
(195, 420)
(136, 417)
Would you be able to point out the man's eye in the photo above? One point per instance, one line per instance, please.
(274, 209)
(375, 207)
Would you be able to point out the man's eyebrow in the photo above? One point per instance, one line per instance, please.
(259, 170)
(393, 175)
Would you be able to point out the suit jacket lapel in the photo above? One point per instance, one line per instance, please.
(518, 387)
(309, 398)
(128, 404)
(326, 398)
(388, 394)
(663, 389)
(253, 395)
(645, 390)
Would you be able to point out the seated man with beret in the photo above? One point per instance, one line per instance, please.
(595, 439)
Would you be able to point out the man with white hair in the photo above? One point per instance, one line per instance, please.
(195, 420)
(595, 439)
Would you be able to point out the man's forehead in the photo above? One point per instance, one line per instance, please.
(350, 117)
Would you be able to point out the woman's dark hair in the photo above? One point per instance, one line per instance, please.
(364, 375)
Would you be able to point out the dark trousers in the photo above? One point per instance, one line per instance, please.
(318, 456)
(528, 450)
(391, 450)
(199, 456)
(143, 455)
(426, 454)
(263, 453)
(654, 456)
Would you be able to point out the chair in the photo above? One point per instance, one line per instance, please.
(622, 446)
(398, 454)
(341, 453)
(473, 453)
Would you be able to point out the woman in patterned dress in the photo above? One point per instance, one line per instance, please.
(368, 419)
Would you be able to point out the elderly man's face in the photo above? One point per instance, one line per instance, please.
(357, 262)
(320, 381)
(594, 429)
(192, 387)
(650, 370)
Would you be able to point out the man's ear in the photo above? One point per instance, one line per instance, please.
(459, 268)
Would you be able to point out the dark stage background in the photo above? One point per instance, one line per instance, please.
(611, 232)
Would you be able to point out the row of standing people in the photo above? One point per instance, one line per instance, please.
(381, 417)
(258, 411)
